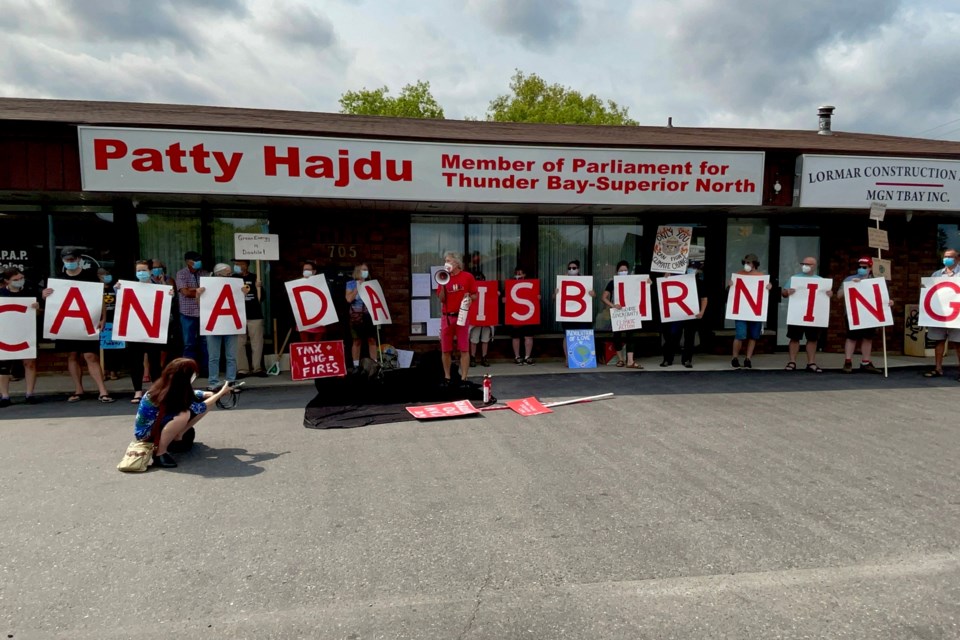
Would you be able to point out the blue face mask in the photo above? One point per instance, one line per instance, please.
(364, 274)
(156, 272)
(197, 264)
(862, 271)
(237, 269)
(70, 266)
(143, 276)
(949, 262)
(107, 279)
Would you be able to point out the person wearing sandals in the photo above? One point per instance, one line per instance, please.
(16, 288)
(520, 332)
(939, 334)
(627, 338)
(796, 333)
(89, 349)
(863, 336)
(746, 330)
(172, 402)
(672, 331)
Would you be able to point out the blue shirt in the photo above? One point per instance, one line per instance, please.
(147, 414)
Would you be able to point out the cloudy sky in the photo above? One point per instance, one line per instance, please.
(889, 66)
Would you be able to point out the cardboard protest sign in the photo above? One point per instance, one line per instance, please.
(809, 305)
(311, 302)
(485, 310)
(311, 360)
(222, 308)
(747, 298)
(73, 310)
(522, 306)
(670, 249)
(634, 291)
(256, 246)
(581, 350)
(376, 303)
(445, 410)
(625, 319)
(940, 303)
(528, 407)
(107, 340)
(573, 299)
(867, 303)
(678, 298)
(18, 329)
(142, 313)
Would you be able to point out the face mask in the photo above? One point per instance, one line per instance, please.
(237, 269)
(143, 276)
(949, 262)
(197, 265)
(448, 267)
(691, 271)
(518, 276)
(806, 268)
(748, 267)
(307, 273)
(107, 279)
(573, 272)
(364, 274)
(157, 272)
(623, 273)
(70, 266)
(16, 284)
(192, 378)
(862, 271)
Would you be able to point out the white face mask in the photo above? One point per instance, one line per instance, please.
(16, 284)
(623, 273)
(307, 273)
(573, 272)
(748, 267)
(806, 268)
(448, 267)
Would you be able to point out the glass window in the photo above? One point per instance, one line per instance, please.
(430, 238)
(225, 224)
(745, 236)
(24, 244)
(92, 232)
(561, 239)
(169, 233)
(494, 244)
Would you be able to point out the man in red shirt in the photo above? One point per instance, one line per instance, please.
(460, 285)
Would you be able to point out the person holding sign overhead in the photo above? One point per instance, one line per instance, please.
(796, 333)
(90, 349)
(746, 329)
(863, 336)
(457, 293)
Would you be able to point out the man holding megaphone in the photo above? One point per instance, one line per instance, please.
(456, 289)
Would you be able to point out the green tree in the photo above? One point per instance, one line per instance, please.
(533, 100)
(414, 101)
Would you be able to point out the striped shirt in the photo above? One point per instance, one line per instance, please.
(187, 279)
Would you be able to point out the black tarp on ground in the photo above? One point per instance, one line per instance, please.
(371, 396)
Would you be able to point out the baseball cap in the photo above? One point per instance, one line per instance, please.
(69, 252)
(866, 260)
(751, 257)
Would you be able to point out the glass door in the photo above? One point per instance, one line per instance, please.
(793, 249)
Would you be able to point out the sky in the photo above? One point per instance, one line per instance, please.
(888, 66)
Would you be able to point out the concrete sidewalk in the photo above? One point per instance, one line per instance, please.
(60, 384)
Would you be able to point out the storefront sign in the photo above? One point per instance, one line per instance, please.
(859, 181)
(14, 258)
(18, 329)
(312, 360)
(206, 162)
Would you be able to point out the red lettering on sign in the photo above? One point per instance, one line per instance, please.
(20, 346)
(105, 150)
(811, 300)
(377, 305)
(857, 300)
(224, 306)
(128, 301)
(298, 293)
(574, 293)
(740, 291)
(954, 304)
(668, 298)
(68, 310)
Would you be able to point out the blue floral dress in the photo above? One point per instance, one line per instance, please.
(147, 414)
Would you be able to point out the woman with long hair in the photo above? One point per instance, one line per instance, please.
(172, 405)
(142, 356)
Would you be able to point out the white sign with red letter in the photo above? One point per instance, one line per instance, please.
(311, 302)
(747, 298)
(222, 310)
(634, 292)
(809, 305)
(372, 295)
(522, 306)
(142, 313)
(484, 312)
(867, 303)
(678, 298)
(573, 299)
(940, 303)
(18, 329)
(73, 310)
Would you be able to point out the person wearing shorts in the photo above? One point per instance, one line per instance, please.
(863, 336)
(942, 335)
(452, 293)
(796, 333)
(747, 330)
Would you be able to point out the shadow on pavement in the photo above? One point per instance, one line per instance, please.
(208, 462)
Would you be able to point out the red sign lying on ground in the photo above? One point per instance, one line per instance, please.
(310, 360)
(528, 406)
(445, 410)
